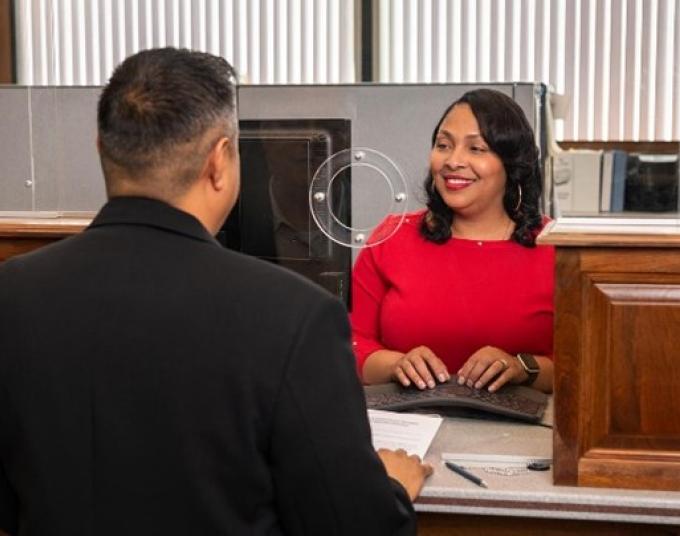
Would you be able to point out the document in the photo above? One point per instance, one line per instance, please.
(409, 431)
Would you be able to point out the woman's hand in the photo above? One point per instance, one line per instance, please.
(420, 366)
(491, 366)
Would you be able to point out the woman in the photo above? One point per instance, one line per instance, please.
(462, 287)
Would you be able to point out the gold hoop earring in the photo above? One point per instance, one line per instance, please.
(519, 201)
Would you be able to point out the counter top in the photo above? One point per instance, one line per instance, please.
(606, 232)
(532, 493)
(36, 224)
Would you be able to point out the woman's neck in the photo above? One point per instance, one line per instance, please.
(492, 227)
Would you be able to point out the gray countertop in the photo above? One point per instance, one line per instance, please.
(531, 493)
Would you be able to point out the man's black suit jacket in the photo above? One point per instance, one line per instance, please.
(152, 382)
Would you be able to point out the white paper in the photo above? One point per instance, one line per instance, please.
(409, 431)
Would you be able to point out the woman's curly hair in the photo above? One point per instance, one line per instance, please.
(505, 129)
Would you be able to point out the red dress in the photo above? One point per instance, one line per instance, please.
(454, 298)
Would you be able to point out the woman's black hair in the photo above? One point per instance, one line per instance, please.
(505, 129)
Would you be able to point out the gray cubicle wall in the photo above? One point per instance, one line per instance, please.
(49, 161)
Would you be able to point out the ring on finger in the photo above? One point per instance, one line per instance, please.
(504, 363)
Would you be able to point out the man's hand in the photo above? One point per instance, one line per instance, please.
(409, 471)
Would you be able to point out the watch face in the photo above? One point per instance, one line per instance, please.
(529, 363)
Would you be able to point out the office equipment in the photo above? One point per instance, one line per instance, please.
(606, 182)
(618, 180)
(512, 401)
(272, 218)
(576, 181)
(466, 474)
(614, 171)
(651, 183)
(409, 431)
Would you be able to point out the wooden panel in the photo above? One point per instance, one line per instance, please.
(21, 235)
(430, 524)
(629, 473)
(567, 430)
(634, 263)
(15, 246)
(644, 381)
(631, 349)
(6, 43)
(617, 379)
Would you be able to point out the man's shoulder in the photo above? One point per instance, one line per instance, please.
(37, 258)
(264, 276)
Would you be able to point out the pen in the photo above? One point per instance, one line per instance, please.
(466, 474)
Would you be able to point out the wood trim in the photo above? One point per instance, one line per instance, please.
(21, 235)
(6, 43)
(440, 524)
(609, 240)
(644, 147)
(29, 227)
(604, 234)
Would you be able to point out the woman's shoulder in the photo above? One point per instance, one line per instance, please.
(402, 223)
(411, 218)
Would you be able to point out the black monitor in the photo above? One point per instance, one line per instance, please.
(272, 219)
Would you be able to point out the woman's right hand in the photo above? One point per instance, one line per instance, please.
(421, 367)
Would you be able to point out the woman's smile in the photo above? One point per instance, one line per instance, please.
(457, 182)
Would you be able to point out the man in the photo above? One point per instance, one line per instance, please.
(152, 382)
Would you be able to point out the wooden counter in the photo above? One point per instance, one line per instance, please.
(617, 355)
(23, 234)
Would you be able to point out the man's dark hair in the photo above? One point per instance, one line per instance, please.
(505, 129)
(156, 109)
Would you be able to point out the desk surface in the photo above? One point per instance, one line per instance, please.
(531, 494)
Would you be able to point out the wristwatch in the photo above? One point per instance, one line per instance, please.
(530, 366)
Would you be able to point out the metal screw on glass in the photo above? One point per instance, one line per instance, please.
(28, 183)
(319, 197)
(401, 196)
(359, 155)
(359, 239)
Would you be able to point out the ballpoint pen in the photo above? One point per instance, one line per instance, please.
(466, 474)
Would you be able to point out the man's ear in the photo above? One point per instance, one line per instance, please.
(219, 164)
(98, 143)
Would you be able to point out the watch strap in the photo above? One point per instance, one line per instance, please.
(530, 366)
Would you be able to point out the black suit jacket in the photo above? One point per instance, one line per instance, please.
(152, 382)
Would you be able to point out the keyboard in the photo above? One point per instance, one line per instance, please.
(513, 401)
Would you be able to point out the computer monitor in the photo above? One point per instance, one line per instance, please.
(272, 218)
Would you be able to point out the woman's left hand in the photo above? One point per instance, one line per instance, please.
(492, 366)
